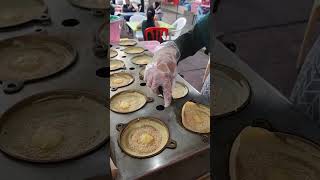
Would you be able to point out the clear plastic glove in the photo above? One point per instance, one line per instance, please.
(162, 72)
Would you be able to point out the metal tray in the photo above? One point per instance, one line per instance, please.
(193, 150)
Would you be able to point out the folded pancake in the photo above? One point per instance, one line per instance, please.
(144, 137)
(127, 101)
(134, 50)
(141, 59)
(118, 80)
(116, 64)
(196, 117)
(113, 53)
(260, 154)
(127, 42)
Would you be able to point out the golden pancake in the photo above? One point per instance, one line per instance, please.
(113, 53)
(144, 137)
(116, 64)
(127, 42)
(127, 101)
(196, 117)
(141, 59)
(118, 80)
(260, 154)
(179, 91)
(134, 50)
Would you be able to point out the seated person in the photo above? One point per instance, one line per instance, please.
(157, 8)
(128, 7)
(150, 22)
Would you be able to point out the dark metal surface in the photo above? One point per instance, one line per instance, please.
(17, 12)
(191, 157)
(80, 76)
(15, 85)
(48, 96)
(267, 105)
(234, 77)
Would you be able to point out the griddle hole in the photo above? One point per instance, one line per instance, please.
(117, 47)
(124, 56)
(44, 16)
(132, 68)
(141, 66)
(70, 22)
(143, 84)
(181, 75)
(103, 72)
(160, 108)
(38, 30)
(11, 85)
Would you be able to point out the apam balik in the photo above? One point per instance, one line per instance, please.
(196, 117)
(121, 79)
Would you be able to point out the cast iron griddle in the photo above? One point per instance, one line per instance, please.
(192, 151)
(32, 57)
(16, 12)
(54, 126)
(232, 91)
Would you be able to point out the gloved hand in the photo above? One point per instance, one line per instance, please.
(162, 72)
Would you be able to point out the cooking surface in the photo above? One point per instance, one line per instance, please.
(266, 105)
(191, 153)
(84, 70)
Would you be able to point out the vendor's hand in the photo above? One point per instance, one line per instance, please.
(162, 72)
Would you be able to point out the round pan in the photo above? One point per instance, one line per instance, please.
(140, 123)
(121, 65)
(127, 42)
(185, 92)
(137, 59)
(125, 95)
(232, 91)
(54, 126)
(90, 4)
(114, 88)
(32, 57)
(113, 53)
(256, 136)
(190, 129)
(17, 12)
(134, 50)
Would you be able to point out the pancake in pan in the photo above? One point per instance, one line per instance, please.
(141, 59)
(116, 64)
(113, 53)
(144, 137)
(127, 101)
(196, 117)
(121, 79)
(127, 42)
(134, 50)
(260, 154)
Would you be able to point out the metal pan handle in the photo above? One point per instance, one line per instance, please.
(172, 144)
(150, 99)
(114, 89)
(120, 126)
(10, 87)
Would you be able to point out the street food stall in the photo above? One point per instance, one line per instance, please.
(52, 107)
(176, 149)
